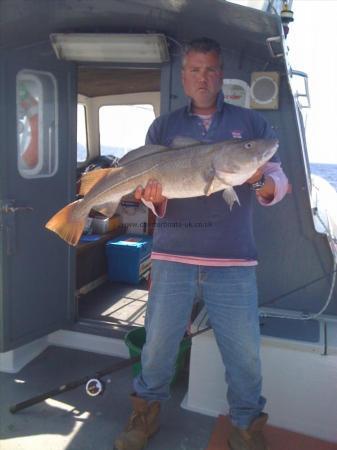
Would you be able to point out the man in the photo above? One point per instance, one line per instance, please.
(217, 260)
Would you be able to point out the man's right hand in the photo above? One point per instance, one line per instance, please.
(152, 192)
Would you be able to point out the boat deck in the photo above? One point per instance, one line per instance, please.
(74, 421)
(115, 304)
(277, 438)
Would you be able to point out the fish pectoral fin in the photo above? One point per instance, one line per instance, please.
(89, 179)
(230, 196)
(209, 176)
(107, 209)
(209, 187)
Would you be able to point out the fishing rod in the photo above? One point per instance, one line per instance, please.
(94, 386)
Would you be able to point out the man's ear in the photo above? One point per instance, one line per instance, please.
(182, 76)
(221, 77)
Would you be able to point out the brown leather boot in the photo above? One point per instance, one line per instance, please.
(251, 438)
(143, 423)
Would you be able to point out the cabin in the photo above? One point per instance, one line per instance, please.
(80, 83)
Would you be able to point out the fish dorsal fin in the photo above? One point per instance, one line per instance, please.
(184, 141)
(89, 179)
(140, 152)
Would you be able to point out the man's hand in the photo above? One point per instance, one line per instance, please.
(152, 192)
(268, 190)
(256, 176)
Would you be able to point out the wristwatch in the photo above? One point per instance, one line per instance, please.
(258, 184)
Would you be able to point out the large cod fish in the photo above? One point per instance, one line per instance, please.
(187, 169)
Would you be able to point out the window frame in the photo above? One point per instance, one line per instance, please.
(79, 103)
(44, 128)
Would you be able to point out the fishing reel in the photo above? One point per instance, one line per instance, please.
(94, 387)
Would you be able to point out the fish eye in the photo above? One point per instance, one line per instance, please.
(249, 145)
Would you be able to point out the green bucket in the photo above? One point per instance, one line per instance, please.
(135, 340)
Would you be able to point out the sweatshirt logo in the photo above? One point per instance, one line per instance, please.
(237, 134)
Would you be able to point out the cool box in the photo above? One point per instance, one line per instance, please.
(128, 258)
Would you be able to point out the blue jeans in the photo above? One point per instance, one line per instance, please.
(230, 297)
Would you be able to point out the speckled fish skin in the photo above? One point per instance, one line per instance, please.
(189, 170)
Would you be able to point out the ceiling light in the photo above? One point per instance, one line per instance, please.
(120, 48)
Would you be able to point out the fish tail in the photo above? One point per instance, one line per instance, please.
(65, 224)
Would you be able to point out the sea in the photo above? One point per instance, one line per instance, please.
(326, 171)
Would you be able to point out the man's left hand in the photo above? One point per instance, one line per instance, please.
(255, 177)
(268, 190)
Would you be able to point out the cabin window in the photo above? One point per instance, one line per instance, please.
(82, 142)
(123, 127)
(37, 143)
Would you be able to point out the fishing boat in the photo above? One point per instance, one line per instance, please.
(101, 71)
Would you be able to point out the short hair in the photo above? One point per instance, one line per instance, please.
(202, 45)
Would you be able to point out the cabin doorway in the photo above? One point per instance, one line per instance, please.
(114, 110)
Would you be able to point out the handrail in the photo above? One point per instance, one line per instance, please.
(306, 84)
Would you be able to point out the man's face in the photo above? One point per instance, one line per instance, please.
(202, 80)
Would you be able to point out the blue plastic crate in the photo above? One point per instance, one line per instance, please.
(128, 258)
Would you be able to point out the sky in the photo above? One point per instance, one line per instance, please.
(312, 42)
